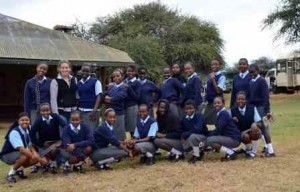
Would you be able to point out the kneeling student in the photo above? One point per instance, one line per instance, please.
(194, 130)
(145, 131)
(104, 154)
(18, 150)
(77, 142)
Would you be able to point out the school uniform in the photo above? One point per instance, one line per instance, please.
(15, 138)
(131, 103)
(146, 128)
(118, 94)
(226, 132)
(240, 82)
(194, 130)
(192, 89)
(36, 92)
(149, 94)
(88, 90)
(180, 77)
(63, 96)
(209, 112)
(106, 144)
(171, 90)
(81, 136)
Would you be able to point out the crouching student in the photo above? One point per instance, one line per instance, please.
(145, 131)
(104, 153)
(77, 143)
(45, 135)
(226, 135)
(194, 131)
(247, 118)
(18, 150)
(169, 132)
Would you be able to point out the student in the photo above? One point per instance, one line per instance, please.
(63, 91)
(144, 134)
(45, 135)
(77, 140)
(133, 96)
(226, 135)
(169, 132)
(89, 91)
(108, 148)
(171, 90)
(194, 130)
(37, 91)
(259, 97)
(193, 86)
(214, 87)
(114, 98)
(248, 121)
(149, 91)
(17, 149)
(240, 81)
(176, 73)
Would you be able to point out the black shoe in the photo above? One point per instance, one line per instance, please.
(143, 159)
(171, 157)
(103, 166)
(107, 167)
(229, 157)
(34, 169)
(11, 179)
(78, 169)
(240, 151)
(179, 158)
(53, 169)
(194, 159)
(21, 174)
(45, 168)
(66, 169)
(265, 150)
(250, 155)
(157, 153)
(269, 155)
(150, 161)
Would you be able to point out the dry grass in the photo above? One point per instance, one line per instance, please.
(277, 174)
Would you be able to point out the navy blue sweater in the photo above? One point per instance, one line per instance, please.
(149, 93)
(86, 92)
(210, 89)
(104, 136)
(259, 94)
(83, 139)
(41, 131)
(171, 90)
(133, 93)
(30, 94)
(226, 127)
(196, 125)
(239, 84)
(193, 90)
(118, 96)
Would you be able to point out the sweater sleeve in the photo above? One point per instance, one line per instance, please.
(53, 96)
(108, 135)
(220, 125)
(33, 133)
(135, 91)
(197, 87)
(27, 97)
(266, 96)
(66, 138)
(89, 139)
(155, 90)
(122, 94)
(233, 93)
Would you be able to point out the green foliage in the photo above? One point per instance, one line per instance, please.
(264, 64)
(288, 17)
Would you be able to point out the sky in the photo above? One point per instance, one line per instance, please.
(239, 21)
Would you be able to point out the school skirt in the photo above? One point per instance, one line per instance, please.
(164, 143)
(10, 158)
(193, 141)
(210, 115)
(223, 141)
(107, 152)
(145, 147)
(131, 114)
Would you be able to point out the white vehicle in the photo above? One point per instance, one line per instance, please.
(285, 78)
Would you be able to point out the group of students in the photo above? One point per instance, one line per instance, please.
(60, 125)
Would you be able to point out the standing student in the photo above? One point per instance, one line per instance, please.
(241, 81)
(108, 148)
(144, 135)
(17, 149)
(63, 91)
(171, 90)
(194, 130)
(133, 96)
(259, 97)
(114, 98)
(248, 121)
(89, 91)
(149, 91)
(77, 140)
(37, 91)
(214, 87)
(193, 86)
(176, 73)
(169, 132)
(45, 135)
(226, 135)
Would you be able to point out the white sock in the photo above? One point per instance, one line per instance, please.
(248, 147)
(12, 172)
(227, 150)
(53, 163)
(108, 160)
(78, 164)
(175, 151)
(148, 154)
(270, 148)
(196, 151)
(264, 140)
(67, 163)
(254, 146)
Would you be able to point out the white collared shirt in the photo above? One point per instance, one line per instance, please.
(131, 80)
(75, 129)
(221, 81)
(242, 110)
(16, 140)
(243, 75)
(192, 75)
(258, 76)
(164, 81)
(118, 85)
(143, 81)
(144, 121)
(190, 116)
(44, 119)
(42, 80)
(109, 126)
(221, 111)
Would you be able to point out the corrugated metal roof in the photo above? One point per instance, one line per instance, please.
(23, 40)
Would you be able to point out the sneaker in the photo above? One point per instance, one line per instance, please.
(157, 153)
(66, 169)
(150, 160)
(194, 159)
(45, 168)
(53, 169)
(34, 169)
(21, 174)
(103, 166)
(250, 155)
(11, 179)
(107, 167)
(229, 157)
(78, 169)
(240, 151)
(179, 158)
(268, 155)
(171, 157)
(143, 159)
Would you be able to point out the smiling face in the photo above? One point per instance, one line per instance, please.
(41, 70)
(111, 117)
(218, 104)
(85, 72)
(64, 69)
(24, 122)
(45, 111)
(241, 100)
(75, 119)
(188, 69)
(130, 72)
(166, 73)
(189, 110)
(162, 108)
(243, 65)
(142, 74)
(143, 111)
(215, 65)
(253, 73)
(117, 77)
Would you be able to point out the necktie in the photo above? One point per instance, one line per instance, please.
(242, 112)
(76, 130)
(27, 139)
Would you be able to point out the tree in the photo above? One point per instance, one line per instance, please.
(288, 16)
(264, 64)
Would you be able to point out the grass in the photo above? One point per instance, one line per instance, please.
(277, 174)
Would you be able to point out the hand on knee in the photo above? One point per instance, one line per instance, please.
(246, 138)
